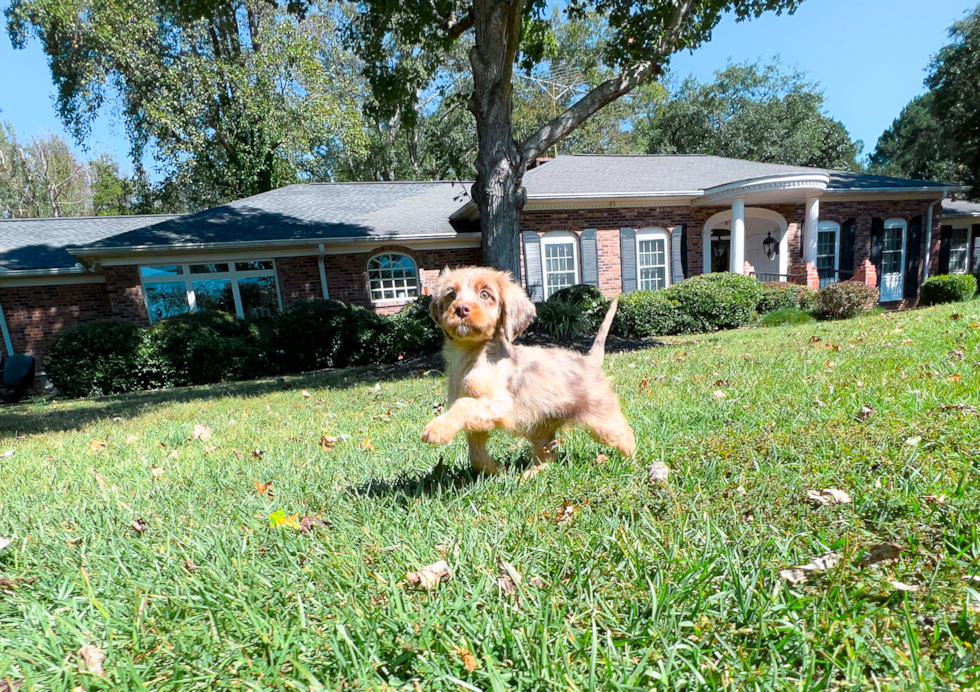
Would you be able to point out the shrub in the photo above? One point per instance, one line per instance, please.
(414, 331)
(947, 288)
(777, 295)
(790, 315)
(561, 318)
(589, 300)
(845, 299)
(96, 358)
(320, 333)
(202, 348)
(717, 301)
(643, 314)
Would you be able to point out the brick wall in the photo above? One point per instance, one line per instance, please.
(122, 284)
(35, 314)
(299, 279)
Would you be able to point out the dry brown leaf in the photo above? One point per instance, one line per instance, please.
(956, 316)
(201, 432)
(829, 496)
(960, 407)
(974, 325)
(238, 455)
(93, 658)
(906, 342)
(174, 454)
(96, 445)
(327, 442)
(138, 526)
(955, 378)
(157, 472)
(536, 582)
(658, 472)
(564, 513)
(190, 566)
(912, 441)
(822, 563)
(902, 586)
(534, 471)
(262, 488)
(601, 459)
(310, 522)
(469, 662)
(723, 383)
(429, 576)
(10, 685)
(4, 542)
(305, 394)
(258, 453)
(880, 553)
(507, 577)
(366, 444)
(793, 576)
(865, 412)
(718, 395)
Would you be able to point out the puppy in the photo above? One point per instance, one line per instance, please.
(529, 391)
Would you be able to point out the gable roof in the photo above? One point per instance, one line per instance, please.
(27, 244)
(312, 212)
(595, 175)
(960, 208)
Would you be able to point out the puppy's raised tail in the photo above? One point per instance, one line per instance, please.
(598, 350)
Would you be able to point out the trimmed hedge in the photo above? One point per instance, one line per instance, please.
(947, 288)
(650, 313)
(717, 301)
(845, 299)
(589, 299)
(96, 359)
(318, 333)
(414, 331)
(777, 295)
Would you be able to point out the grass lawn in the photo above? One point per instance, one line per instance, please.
(627, 584)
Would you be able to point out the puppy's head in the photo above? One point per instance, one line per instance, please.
(476, 304)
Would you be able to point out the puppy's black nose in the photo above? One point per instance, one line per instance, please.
(462, 310)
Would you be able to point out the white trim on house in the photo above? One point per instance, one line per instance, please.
(402, 300)
(653, 233)
(793, 182)
(323, 272)
(554, 238)
(36, 280)
(6, 333)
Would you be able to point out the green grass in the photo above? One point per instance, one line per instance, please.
(645, 587)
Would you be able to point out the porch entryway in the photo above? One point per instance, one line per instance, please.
(760, 225)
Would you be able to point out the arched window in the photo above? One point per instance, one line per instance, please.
(392, 276)
(560, 250)
(652, 259)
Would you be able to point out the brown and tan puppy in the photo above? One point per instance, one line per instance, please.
(530, 391)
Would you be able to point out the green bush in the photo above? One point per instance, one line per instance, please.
(778, 294)
(561, 318)
(414, 331)
(643, 314)
(319, 333)
(788, 315)
(202, 348)
(845, 299)
(947, 288)
(590, 301)
(717, 301)
(96, 358)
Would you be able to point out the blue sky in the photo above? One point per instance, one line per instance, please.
(869, 56)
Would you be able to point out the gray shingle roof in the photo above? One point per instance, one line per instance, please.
(675, 173)
(40, 243)
(960, 207)
(313, 211)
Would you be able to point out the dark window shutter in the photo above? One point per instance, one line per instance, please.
(627, 258)
(676, 254)
(534, 273)
(684, 268)
(590, 257)
(913, 257)
(877, 244)
(945, 238)
(974, 255)
(846, 259)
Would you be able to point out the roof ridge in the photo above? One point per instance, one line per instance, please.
(90, 218)
(378, 182)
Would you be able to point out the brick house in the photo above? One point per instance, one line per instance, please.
(620, 223)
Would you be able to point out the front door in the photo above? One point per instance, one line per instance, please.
(892, 261)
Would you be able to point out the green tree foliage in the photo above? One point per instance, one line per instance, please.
(752, 111)
(232, 97)
(919, 145)
(404, 45)
(953, 78)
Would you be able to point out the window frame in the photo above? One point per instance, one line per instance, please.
(653, 233)
(188, 279)
(964, 250)
(382, 302)
(827, 227)
(891, 224)
(560, 238)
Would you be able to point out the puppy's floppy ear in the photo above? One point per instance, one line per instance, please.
(518, 310)
(435, 298)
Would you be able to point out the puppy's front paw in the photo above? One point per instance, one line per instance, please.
(439, 431)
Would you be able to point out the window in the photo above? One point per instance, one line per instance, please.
(959, 250)
(247, 289)
(651, 259)
(560, 261)
(393, 277)
(828, 233)
(892, 248)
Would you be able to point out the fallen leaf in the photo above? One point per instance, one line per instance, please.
(723, 383)
(536, 582)
(190, 566)
(4, 542)
(974, 325)
(468, 661)
(309, 522)
(864, 413)
(601, 459)
(201, 432)
(657, 472)
(96, 445)
(956, 316)
(262, 488)
(93, 658)
(937, 499)
(912, 441)
(829, 496)
(258, 453)
(12, 685)
(6, 455)
(305, 394)
(174, 454)
(139, 526)
(157, 472)
(366, 444)
(566, 513)
(971, 578)
(955, 378)
(902, 586)
(906, 342)
(793, 576)
(822, 563)
(279, 518)
(507, 577)
(238, 455)
(429, 576)
(718, 395)
(960, 407)
(534, 471)
(327, 442)
(880, 553)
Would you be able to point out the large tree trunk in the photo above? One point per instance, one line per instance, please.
(498, 189)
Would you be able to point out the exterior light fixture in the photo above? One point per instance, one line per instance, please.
(770, 246)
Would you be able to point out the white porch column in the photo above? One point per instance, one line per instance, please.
(810, 230)
(737, 250)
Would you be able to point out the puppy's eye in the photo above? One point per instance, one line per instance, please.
(451, 296)
(485, 295)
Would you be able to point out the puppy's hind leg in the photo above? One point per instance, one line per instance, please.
(479, 457)
(612, 430)
(543, 441)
